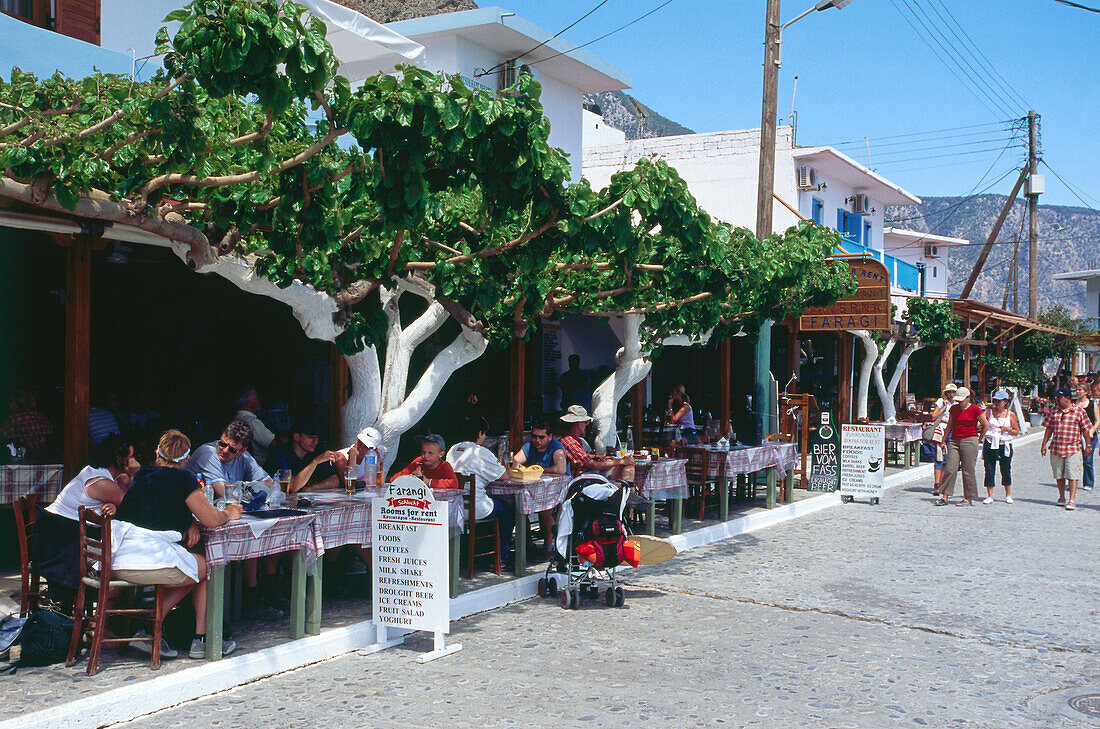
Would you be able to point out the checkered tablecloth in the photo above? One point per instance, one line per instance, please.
(535, 496)
(663, 479)
(347, 520)
(786, 456)
(18, 480)
(902, 432)
(726, 462)
(234, 541)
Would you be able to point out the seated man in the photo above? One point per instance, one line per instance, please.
(367, 440)
(616, 469)
(471, 457)
(546, 451)
(429, 466)
(224, 461)
(309, 471)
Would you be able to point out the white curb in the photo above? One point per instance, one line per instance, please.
(146, 697)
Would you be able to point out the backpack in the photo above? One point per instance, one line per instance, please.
(44, 639)
(606, 541)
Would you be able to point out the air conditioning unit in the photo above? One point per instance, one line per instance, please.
(931, 251)
(861, 203)
(807, 178)
(507, 74)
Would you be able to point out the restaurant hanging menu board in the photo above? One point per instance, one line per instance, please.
(410, 558)
(867, 308)
(825, 456)
(862, 461)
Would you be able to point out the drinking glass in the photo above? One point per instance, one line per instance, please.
(233, 492)
(283, 476)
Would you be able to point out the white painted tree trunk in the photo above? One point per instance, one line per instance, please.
(378, 397)
(895, 379)
(631, 367)
(889, 413)
(870, 350)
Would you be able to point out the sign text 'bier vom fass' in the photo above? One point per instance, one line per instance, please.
(868, 308)
(410, 561)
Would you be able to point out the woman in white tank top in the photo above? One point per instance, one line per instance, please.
(997, 446)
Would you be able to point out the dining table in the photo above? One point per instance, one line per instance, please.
(530, 497)
(738, 461)
(19, 479)
(660, 479)
(907, 439)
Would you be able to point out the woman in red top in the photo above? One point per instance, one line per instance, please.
(430, 466)
(965, 430)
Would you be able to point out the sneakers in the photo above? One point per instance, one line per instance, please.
(166, 651)
(259, 611)
(1087, 488)
(1062, 501)
(1070, 506)
(198, 647)
(1009, 500)
(987, 500)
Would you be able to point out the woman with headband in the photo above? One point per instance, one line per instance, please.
(100, 485)
(164, 500)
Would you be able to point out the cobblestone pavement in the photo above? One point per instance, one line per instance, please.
(899, 614)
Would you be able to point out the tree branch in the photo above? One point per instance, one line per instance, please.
(16, 126)
(111, 151)
(86, 132)
(655, 307)
(603, 212)
(355, 292)
(395, 251)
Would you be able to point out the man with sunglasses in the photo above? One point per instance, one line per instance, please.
(224, 461)
(546, 451)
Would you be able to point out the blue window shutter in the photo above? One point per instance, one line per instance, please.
(855, 226)
(841, 220)
(867, 233)
(818, 211)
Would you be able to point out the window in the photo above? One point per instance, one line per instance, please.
(933, 271)
(818, 214)
(18, 8)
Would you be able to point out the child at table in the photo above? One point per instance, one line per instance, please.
(430, 466)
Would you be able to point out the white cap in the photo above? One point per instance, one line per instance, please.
(370, 437)
(962, 393)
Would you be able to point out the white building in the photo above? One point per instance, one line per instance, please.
(1092, 288)
(821, 183)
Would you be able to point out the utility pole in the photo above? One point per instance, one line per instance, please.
(1034, 187)
(765, 186)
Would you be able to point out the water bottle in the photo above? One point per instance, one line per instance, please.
(630, 439)
(370, 468)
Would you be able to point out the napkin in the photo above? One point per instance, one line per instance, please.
(257, 525)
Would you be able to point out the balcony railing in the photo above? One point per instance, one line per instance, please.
(903, 275)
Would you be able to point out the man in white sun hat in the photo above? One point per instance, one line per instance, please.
(576, 418)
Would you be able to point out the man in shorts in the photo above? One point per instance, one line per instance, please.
(1066, 425)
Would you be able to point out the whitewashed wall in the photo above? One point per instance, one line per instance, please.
(597, 132)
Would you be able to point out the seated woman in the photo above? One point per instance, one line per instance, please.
(681, 414)
(430, 466)
(100, 485)
(166, 499)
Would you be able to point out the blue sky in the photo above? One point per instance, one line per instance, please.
(865, 71)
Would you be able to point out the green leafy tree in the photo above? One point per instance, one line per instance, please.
(382, 213)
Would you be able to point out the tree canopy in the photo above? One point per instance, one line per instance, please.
(248, 142)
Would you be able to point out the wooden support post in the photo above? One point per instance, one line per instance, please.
(637, 408)
(981, 374)
(78, 318)
(844, 387)
(792, 353)
(966, 366)
(947, 364)
(517, 358)
(337, 397)
(724, 365)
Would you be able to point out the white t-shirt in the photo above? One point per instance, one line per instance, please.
(75, 495)
(473, 460)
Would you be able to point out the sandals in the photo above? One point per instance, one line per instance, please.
(965, 502)
(939, 502)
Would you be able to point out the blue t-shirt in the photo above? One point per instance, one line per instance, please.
(546, 458)
(205, 463)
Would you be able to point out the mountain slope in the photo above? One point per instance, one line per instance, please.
(1068, 241)
(621, 110)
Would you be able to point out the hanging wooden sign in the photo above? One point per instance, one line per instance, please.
(867, 308)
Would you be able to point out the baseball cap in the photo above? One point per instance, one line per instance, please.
(1002, 395)
(576, 414)
(950, 387)
(962, 393)
(433, 438)
(1063, 392)
(306, 426)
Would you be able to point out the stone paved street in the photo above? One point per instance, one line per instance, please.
(894, 615)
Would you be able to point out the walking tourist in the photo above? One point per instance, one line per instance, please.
(1092, 412)
(997, 444)
(577, 419)
(309, 470)
(472, 458)
(429, 466)
(1066, 427)
(167, 498)
(547, 451)
(939, 428)
(966, 428)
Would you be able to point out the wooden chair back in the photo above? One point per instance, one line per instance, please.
(26, 514)
(94, 549)
(492, 529)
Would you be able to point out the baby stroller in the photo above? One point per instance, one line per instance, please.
(590, 543)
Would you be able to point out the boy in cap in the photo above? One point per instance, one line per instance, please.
(429, 466)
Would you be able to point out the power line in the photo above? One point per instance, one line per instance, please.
(540, 45)
(971, 87)
(988, 134)
(1078, 6)
(940, 156)
(940, 147)
(1070, 187)
(970, 196)
(980, 57)
(609, 33)
(931, 131)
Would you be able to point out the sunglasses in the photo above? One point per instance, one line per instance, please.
(232, 451)
(540, 437)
